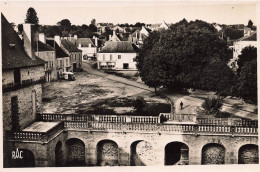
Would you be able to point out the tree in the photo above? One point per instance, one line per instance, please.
(248, 54)
(233, 33)
(250, 24)
(31, 17)
(177, 57)
(247, 85)
(65, 25)
(92, 28)
(212, 105)
(20, 28)
(93, 22)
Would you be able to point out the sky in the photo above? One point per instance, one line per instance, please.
(149, 12)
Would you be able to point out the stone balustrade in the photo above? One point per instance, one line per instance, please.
(35, 136)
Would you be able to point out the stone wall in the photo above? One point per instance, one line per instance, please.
(107, 153)
(7, 77)
(25, 110)
(34, 73)
(75, 152)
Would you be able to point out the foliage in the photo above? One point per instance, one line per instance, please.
(93, 22)
(250, 24)
(139, 105)
(247, 85)
(233, 33)
(223, 115)
(20, 28)
(248, 54)
(212, 105)
(31, 17)
(183, 56)
(65, 25)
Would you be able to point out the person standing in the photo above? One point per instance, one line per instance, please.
(181, 104)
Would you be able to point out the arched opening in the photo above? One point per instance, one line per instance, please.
(213, 153)
(58, 154)
(107, 153)
(141, 153)
(248, 154)
(26, 159)
(176, 153)
(75, 152)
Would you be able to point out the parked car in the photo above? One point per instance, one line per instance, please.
(68, 76)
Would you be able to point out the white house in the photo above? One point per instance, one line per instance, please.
(159, 26)
(239, 45)
(117, 56)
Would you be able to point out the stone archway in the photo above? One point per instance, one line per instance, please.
(141, 153)
(176, 153)
(107, 153)
(213, 153)
(58, 154)
(27, 160)
(75, 149)
(248, 154)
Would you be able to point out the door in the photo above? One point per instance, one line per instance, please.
(125, 65)
(74, 67)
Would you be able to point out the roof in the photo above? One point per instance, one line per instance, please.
(69, 46)
(59, 52)
(84, 42)
(44, 47)
(248, 38)
(119, 47)
(138, 34)
(14, 56)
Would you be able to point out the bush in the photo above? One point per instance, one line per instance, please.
(213, 104)
(139, 105)
(223, 115)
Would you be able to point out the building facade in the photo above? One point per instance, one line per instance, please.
(22, 76)
(117, 56)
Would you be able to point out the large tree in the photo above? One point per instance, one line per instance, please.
(250, 24)
(31, 17)
(65, 25)
(248, 54)
(182, 55)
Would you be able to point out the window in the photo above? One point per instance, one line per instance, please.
(104, 58)
(119, 56)
(111, 56)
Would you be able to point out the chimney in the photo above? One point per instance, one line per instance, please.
(29, 39)
(110, 37)
(114, 32)
(42, 38)
(57, 40)
(96, 41)
(76, 37)
(89, 45)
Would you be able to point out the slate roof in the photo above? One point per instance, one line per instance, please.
(84, 42)
(69, 46)
(43, 47)
(59, 52)
(14, 56)
(119, 47)
(248, 38)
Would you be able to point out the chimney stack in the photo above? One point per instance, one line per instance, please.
(42, 38)
(29, 40)
(57, 40)
(96, 41)
(70, 37)
(75, 37)
(110, 37)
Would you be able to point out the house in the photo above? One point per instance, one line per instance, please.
(119, 29)
(101, 27)
(138, 36)
(118, 55)
(238, 46)
(159, 26)
(114, 37)
(22, 77)
(88, 46)
(48, 54)
(72, 51)
(62, 59)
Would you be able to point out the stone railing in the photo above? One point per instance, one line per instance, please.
(228, 122)
(35, 136)
(65, 117)
(173, 128)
